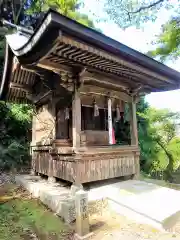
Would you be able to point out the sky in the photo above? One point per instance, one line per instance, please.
(139, 39)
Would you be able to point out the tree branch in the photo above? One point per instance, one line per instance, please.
(19, 11)
(146, 7)
(13, 11)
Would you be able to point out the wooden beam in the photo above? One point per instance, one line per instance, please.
(42, 96)
(130, 82)
(95, 90)
(28, 69)
(101, 79)
(54, 66)
(24, 87)
(34, 69)
(37, 98)
(111, 81)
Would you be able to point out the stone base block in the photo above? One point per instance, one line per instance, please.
(68, 210)
(33, 173)
(51, 179)
(75, 188)
(86, 237)
(136, 176)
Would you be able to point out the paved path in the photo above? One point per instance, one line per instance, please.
(143, 202)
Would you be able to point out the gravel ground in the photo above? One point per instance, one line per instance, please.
(110, 226)
(6, 178)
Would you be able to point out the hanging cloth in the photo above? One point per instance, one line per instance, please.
(96, 110)
(66, 113)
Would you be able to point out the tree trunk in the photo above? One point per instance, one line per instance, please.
(169, 169)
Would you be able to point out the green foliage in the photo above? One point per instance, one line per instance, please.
(15, 125)
(69, 8)
(168, 42)
(126, 13)
(138, 12)
(147, 145)
(164, 145)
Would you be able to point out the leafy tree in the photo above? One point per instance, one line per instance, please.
(69, 8)
(15, 125)
(148, 148)
(161, 129)
(127, 13)
(168, 42)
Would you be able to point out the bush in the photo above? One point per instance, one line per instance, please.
(15, 127)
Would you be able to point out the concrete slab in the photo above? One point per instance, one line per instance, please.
(144, 202)
(141, 201)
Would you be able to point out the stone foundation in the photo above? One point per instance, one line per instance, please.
(58, 198)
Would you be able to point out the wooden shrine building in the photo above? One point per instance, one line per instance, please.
(84, 87)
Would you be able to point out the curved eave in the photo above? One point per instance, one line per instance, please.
(61, 42)
(54, 23)
(6, 77)
(13, 78)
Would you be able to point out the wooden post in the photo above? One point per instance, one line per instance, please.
(76, 135)
(33, 143)
(110, 120)
(53, 113)
(133, 121)
(76, 115)
(134, 137)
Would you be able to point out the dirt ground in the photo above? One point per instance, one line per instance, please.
(110, 226)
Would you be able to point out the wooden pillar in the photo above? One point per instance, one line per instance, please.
(76, 118)
(110, 121)
(53, 117)
(33, 140)
(133, 122)
(51, 137)
(33, 143)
